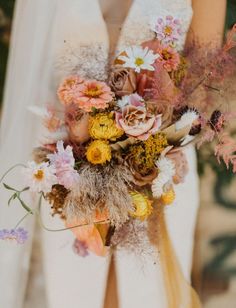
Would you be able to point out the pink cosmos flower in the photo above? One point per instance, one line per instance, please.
(136, 121)
(63, 161)
(68, 89)
(93, 94)
(169, 58)
(168, 30)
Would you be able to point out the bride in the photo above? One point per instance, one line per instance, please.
(52, 39)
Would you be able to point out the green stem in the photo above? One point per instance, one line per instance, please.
(38, 213)
(22, 219)
(9, 170)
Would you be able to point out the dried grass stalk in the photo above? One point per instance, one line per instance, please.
(101, 188)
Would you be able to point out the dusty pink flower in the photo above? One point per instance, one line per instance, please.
(169, 58)
(68, 89)
(136, 121)
(181, 164)
(93, 94)
(52, 122)
(77, 122)
(80, 248)
(168, 30)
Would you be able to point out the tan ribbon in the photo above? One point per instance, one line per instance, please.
(179, 292)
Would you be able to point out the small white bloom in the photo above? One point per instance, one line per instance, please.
(124, 101)
(128, 99)
(139, 58)
(186, 119)
(166, 171)
(40, 177)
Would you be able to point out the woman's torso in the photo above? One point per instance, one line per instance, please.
(82, 42)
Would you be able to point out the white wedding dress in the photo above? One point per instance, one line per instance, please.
(50, 40)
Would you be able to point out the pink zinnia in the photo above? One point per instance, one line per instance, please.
(68, 88)
(169, 58)
(168, 30)
(93, 94)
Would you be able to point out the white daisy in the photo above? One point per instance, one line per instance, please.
(139, 58)
(187, 119)
(40, 177)
(166, 171)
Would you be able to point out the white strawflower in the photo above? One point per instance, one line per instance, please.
(166, 171)
(39, 177)
(124, 101)
(186, 119)
(128, 99)
(139, 58)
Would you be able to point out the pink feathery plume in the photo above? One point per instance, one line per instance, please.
(226, 151)
(230, 39)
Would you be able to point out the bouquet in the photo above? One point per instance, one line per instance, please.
(112, 158)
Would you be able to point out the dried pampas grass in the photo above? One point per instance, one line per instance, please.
(101, 188)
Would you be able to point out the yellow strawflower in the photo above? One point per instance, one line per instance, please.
(103, 126)
(168, 197)
(142, 205)
(98, 152)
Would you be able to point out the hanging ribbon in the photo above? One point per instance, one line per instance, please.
(179, 292)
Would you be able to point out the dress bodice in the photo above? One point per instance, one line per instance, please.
(82, 42)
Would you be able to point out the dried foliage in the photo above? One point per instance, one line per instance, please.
(57, 198)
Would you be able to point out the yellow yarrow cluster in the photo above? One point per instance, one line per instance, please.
(103, 126)
(146, 153)
(98, 152)
(142, 205)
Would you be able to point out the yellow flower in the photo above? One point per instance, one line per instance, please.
(98, 152)
(143, 206)
(168, 197)
(103, 126)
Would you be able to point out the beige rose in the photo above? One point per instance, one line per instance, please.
(123, 81)
(136, 121)
(138, 178)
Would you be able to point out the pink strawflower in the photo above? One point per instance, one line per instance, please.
(168, 30)
(63, 161)
(67, 91)
(169, 58)
(93, 94)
